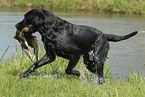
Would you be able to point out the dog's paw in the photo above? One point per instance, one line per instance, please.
(23, 75)
(76, 72)
(73, 72)
(101, 80)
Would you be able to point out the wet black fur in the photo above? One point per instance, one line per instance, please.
(69, 41)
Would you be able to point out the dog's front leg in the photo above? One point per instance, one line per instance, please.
(44, 60)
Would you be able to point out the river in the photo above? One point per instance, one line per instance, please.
(122, 54)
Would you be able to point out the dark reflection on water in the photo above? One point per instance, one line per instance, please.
(121, 55)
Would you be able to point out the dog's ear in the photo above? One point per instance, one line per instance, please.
(38, 19)
(35, 17)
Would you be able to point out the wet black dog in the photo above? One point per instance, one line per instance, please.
(69, 41)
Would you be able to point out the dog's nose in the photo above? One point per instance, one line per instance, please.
(16, 25)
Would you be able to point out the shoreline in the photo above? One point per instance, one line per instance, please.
(99, 6)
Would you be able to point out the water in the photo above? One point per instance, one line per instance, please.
(121, 55)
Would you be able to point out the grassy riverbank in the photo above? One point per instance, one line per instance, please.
(113, 6)
(51, 81)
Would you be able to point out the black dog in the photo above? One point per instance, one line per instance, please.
(69, 41)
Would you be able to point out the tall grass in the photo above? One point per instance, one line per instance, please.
(4, 53)
(119, 6)
(51, 81)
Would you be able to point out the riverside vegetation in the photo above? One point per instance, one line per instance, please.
(113, 6)
(51, 81)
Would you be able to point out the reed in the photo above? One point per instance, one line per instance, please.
(4, 53)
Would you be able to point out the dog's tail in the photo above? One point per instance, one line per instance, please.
(116, 38)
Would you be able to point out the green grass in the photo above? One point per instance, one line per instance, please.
(51, 81)
(113, 6)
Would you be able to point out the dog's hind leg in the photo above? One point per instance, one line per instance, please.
(100, 58)
(72, 63)
(44, 60)
(94, 60)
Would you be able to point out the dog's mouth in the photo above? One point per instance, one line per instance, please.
(24, 30)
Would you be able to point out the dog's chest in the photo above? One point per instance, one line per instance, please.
(65, 42)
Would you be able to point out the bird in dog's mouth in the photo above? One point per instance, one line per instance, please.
(25, 39)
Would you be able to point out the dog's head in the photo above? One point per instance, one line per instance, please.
(32, 19)
(35, 19)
